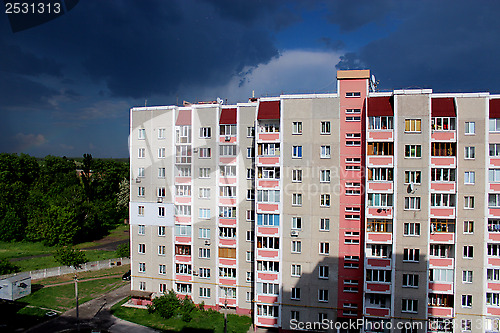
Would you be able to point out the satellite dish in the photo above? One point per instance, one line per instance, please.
(411, 188)
(220, 101)
(373, 83)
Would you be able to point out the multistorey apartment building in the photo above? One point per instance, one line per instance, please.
(301, 208)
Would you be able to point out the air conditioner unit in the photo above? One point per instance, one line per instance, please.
(207, 242)
(138, 180)
(294, 233)
(160, 200)
(195, 150)
(228, 138)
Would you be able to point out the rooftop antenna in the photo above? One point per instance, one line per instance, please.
(146, 102)
(373, 83)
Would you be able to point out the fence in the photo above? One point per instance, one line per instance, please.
(90, 266)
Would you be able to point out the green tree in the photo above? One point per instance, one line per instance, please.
(6, 267)
(123, 195)
(166, 305)
(123, 250)
(71, 257)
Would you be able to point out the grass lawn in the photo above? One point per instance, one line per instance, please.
(206, 321)
(62, 297)
(13, 250)
(118, 270)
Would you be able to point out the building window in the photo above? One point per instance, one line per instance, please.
(250, 132)
(267, 311)
(162, 287)
(411, 229)
(470, 128)
(353, 111)
(268, 220)
(296, 151)
(466, 301)
(296, 246)
(442, 175)
(413, 151)
(142, 134)
(410, 280)
(443, 148)
(411, 255)
(227, 232)
(323, 295)
(324, 272)
(141, 191)
(297, 127)
(161, 230)
(183, 288)
(295, 294)
(413, 125)
(380, 200)
(227, 171)
(494, 175)
(141, 153)
(227, 130)
(161, 152)
(494, 149)
(495, 125)
(142, 286)
(467, 276)
(324, 225)
(325, 151)
(442, 200)
(353, 94)
(378, 275)
(325, 127)
(249, 256)
(296, 223)
(204, 172)
(250, 152)
(141, 229)
(324, 176)
(204, 193)
(296, 270)
(469, 177)
(182, 230)
(493, 200)
(412, 203)
(250, 215)
(162, 269)
(271, 196)
(324, 200)
(468, 252)
(140, 210)
(466, 325)
(204, 292)
(140, 172)
(296, 176)
(380, 123)
(294, 315)
(470, 153)
(409, 305)
(225, 150)
(324, 248)
(469, 202)
(142, 249)
(204, 213)
(161, 172)
(142, 267)
(443, 124)
(207, 152)
(296, 199)
(250, 236)
(468, 227)
(161, 133)
(161, 211)
(205, 132)
(412, 177)
(250, 173)
(183, 171)
(161, 250)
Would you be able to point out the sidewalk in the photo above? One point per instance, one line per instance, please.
(94, 314)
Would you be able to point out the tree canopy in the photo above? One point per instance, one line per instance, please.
(60, 201)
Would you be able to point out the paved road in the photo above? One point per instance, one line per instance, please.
(94, 314)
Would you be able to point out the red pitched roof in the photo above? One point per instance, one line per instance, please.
(443, 107)
(269, 110)
(228, 116)
(380, 106)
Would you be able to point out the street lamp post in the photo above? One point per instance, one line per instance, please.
(76, 297)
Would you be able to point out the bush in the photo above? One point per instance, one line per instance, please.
(123, 250)
(167, 305)
(6, 267)
(186, 309)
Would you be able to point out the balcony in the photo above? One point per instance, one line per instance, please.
(444, 263)
(443, 187)
(267, 322)
(268, 183)
(380, 161)
(443, 162)
(267, 254)
(440, 311)
(380, 135)
(377, 312)
(445, 136)
(443, 212)
(494, 286)
(384, 288)
(378, 262)
(269, 137)
(380, 212)
(441, 287)
(381, 186)
(494, 162)
(442, 237)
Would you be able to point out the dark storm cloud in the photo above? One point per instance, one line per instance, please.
(451, 46)
(21, 93)
(351, 15)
